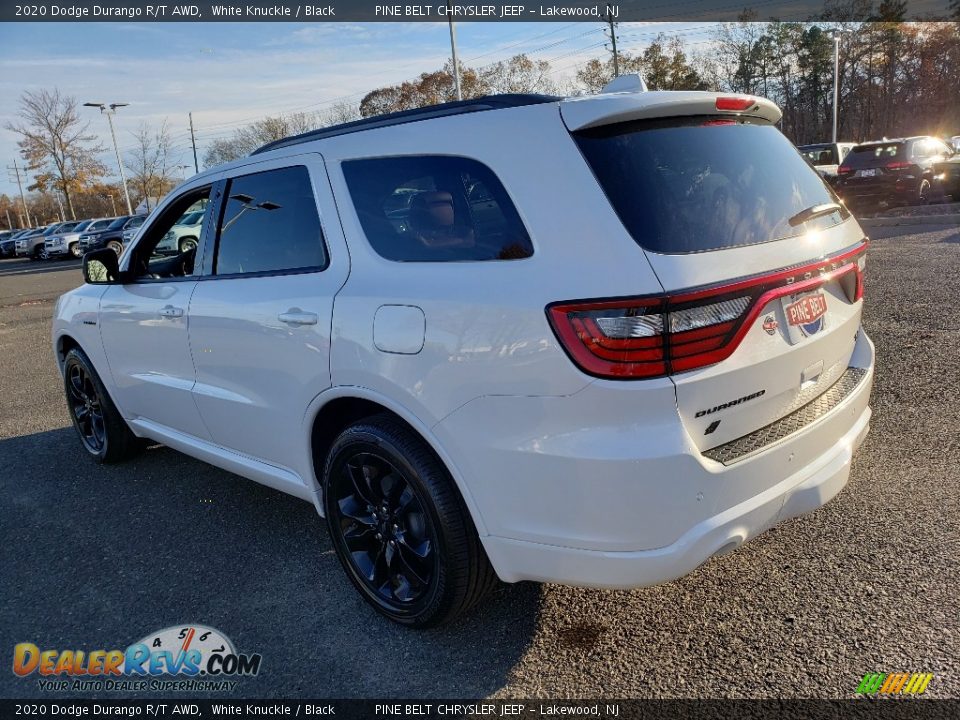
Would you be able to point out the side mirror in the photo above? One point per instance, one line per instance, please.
(101, 267)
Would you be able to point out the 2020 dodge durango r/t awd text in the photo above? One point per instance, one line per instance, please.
(591, 341)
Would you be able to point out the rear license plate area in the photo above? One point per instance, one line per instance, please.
(806, 314)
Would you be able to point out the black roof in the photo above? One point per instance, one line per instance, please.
(488, 102)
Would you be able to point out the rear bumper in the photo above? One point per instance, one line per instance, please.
(797, 495)
(585, 490)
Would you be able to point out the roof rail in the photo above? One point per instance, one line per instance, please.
(488, 102)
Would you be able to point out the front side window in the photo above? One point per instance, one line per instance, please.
(164, 252)
(270, 224)
(435, 209)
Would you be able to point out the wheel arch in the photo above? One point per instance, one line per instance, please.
(65, 343)
(332, 411)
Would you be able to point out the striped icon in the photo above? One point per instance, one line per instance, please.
(894, 683)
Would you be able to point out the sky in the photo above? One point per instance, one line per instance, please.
(229, 74)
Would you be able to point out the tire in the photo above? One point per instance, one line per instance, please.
(115, 246)
(420, 563)
(102, 430)
(187, 243)
(75, 251)
(37, 253)
(923, 192)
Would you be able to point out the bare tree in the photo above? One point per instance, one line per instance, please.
(55, 143)
(151, 161)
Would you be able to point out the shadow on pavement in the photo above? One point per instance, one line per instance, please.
(36, 267)
(97, 557)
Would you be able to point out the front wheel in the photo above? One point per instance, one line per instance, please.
(115, 246)
(187, 244)
(400, 527)
(75, 251)
(102, 430)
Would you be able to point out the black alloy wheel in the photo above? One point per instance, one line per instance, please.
(103, 432)
(385, 529)
(399, 525)
(86, 409)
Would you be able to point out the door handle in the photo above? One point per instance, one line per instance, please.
(169, 311)
(296, 316)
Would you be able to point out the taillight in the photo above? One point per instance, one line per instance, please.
(735, 103)
(844, 170)
(897, 165)
(648, 337)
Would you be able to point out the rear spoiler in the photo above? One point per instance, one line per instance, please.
(615, 107)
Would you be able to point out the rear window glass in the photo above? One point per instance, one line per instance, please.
(270, 224)
(819, 154)
(435, 209)
(695, 184)
(864, 156)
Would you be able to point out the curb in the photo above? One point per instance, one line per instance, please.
(953, 219)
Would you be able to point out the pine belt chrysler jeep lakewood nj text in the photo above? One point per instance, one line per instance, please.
(592, 341)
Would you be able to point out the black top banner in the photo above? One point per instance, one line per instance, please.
(460, 11)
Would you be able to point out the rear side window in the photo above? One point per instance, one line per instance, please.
(695, 184)
(871, 156)
(435, 209)
(820, 154)
(270, 224)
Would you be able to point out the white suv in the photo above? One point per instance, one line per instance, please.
(592, 341)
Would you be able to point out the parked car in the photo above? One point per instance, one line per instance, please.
(130, 229)
(32, 245)
(184, 235)
(8, 242)
(890, 172)
(67, 242)
(955, 142)
(826, 157)
(946, 179)
(647, 352)
(111, 236)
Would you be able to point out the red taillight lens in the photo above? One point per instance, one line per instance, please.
(844, 170)
(897, 165)
(735, 103)
(652, 337)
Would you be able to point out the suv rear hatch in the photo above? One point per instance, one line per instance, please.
(761, 268)
(873, 170)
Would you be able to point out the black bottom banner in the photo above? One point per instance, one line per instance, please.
(882, 709)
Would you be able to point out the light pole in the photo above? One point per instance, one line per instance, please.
(835, 34)
(109, 111)
(453, 49)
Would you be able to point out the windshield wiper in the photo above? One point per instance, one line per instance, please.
(813, 212)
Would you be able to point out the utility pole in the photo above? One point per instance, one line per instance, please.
(113, 205)
(453, 49)
(109, 111)
(23, 200)
(613, 41)
(193, 141)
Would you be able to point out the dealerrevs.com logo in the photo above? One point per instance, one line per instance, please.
(191, 658)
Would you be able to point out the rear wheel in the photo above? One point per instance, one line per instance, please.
(923, 192)
(102, 430)
(400, 527)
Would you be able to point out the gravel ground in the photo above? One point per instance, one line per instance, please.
(98, 557)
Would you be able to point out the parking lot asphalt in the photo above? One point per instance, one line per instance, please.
(98, 557)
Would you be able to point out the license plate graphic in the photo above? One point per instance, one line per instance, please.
(807, 309)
